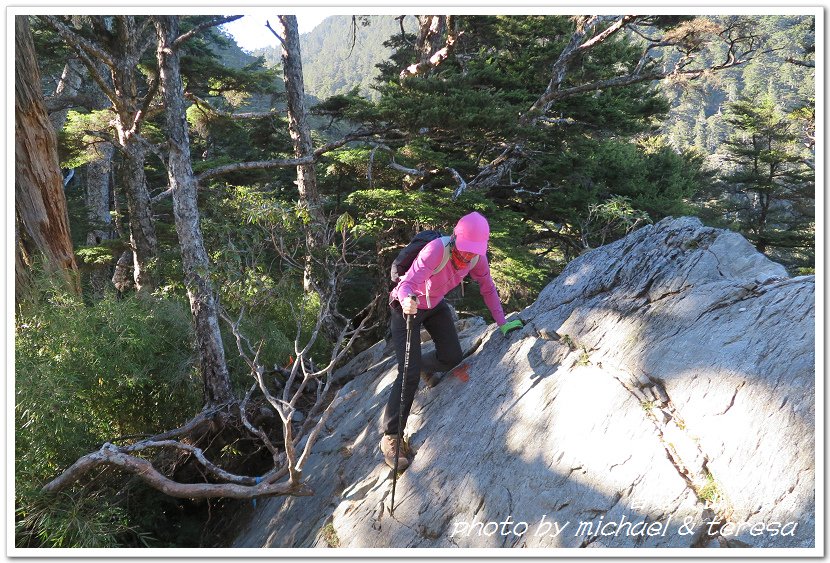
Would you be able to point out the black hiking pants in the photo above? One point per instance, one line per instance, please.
(447, 354)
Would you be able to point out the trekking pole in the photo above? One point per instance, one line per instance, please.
(400, 410)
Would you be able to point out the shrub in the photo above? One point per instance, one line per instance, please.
(85, 375)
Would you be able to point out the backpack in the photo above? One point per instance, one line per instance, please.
(407, 256)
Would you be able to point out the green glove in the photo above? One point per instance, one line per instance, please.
(512, 325)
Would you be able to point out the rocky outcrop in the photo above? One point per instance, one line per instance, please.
(661, 394)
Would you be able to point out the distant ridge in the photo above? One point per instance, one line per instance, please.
(330, 64)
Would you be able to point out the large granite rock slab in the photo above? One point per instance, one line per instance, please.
(661, 394)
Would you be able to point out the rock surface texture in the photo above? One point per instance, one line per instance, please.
(661, 394)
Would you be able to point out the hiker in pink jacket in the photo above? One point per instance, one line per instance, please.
(420, 293)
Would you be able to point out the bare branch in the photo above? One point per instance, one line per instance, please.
(80, 44)
(281, 163)
(411, 171)
(400, 19)
(277, 35)
(200, 28)
(87, 51)
(204, 418)
(256, 165)
(546, 188)
(340, 350)
(149, 41)
(153, 148)
(462, 185)
(575, 47)
(635, 29)
(152, 90)
(245, 115)
(606, 33)
(110, 455)
(168, 192)
(629, 79)
(258, 432)
(356, 136)
(195, 452)
(799, 62)
(59, 103)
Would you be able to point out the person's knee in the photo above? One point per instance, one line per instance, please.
(451, 357)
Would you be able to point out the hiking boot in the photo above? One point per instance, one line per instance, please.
(387, 446)
(431, 378)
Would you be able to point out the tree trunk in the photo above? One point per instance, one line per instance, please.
(299, 129)
(194, 257)
(39, 199)
(68, 86)
(22, 264)
(128, 123)
(764, 201)
(98, 191)
(99, 177)
(120, 56)
(428, 48)
(142, 229)
(98, 194)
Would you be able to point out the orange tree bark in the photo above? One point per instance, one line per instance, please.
(40, 204)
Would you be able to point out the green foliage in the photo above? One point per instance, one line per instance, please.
(612, 219)
(102, 254)
(51, 50)
(77, 143)
(240, 229)
(593, 146)
(711, 491)
(349, 106)
(85, 375)
(214, 67)
(781, 37)
(76, 519)
(769, 163)
(655, 177)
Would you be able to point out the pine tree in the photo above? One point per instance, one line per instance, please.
(769, 169)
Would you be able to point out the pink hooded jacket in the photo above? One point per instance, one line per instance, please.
(431, 289)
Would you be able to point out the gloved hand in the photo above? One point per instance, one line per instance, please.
(512, 325)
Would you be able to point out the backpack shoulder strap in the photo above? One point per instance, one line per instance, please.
(445, 241)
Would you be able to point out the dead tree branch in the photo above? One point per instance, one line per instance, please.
(208, 109)
(201, 27)
(87, 51)
(284, 162)
(112, 455)
(431, 28)
(800, 62)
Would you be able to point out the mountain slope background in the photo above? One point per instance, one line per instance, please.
(339, 56)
